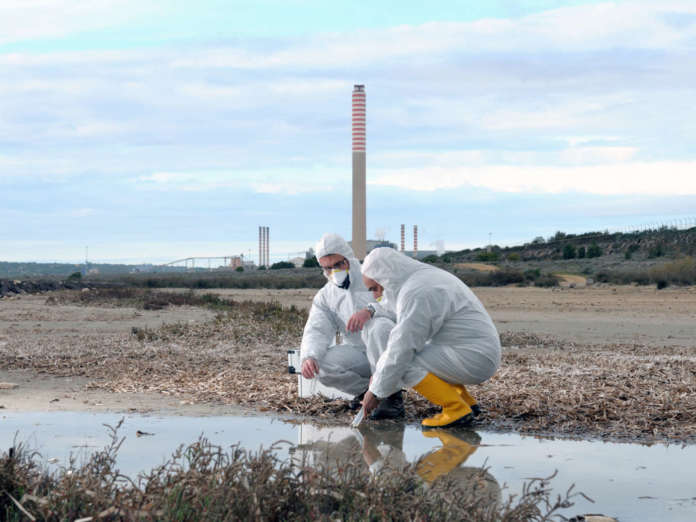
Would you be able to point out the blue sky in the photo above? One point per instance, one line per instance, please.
(151, 131)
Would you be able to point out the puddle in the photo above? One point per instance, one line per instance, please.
(626, 481)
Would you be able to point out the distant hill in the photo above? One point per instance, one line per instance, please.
(11, 270)
(636, 246)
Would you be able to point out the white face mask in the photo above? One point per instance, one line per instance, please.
(339, 277)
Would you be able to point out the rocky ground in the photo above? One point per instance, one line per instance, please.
(611, 362)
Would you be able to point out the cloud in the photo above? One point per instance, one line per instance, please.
(584, 28)
(31, 19)
(282, 181)
(655, 179)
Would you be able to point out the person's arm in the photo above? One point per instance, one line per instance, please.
(319, 333)
(419, 318)
(359, 318)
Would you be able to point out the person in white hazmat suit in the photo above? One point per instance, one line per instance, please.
(443, 338)
(344, 366)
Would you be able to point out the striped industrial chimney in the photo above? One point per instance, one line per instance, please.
(264, 252)
(359, 189)
(415, 240)
(403, 237)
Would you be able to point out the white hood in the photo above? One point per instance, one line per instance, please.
(335, 244)
(390, 269)
(332, 307)
(433, 309)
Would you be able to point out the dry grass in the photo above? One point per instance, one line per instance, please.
(481, 267)
(613, 392)
(204, 482)
(571, 279)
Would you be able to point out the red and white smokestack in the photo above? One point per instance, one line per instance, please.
(415, 239)
(359, 241)
(403, 237)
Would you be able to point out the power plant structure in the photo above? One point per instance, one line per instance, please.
(264, 257)
(415, 240)
(403, 237)
(359, 240)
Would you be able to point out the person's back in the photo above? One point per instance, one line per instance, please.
(458, 316)
(443, 338)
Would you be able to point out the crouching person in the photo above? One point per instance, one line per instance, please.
(443, 338)
(344, 366)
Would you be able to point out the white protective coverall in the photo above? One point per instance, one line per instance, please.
(344, 366)
(441, 326)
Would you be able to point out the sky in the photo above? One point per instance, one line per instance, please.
(149, 131)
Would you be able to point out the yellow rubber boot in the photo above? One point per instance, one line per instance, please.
(453, 452)
(469, 399)
(454, 410)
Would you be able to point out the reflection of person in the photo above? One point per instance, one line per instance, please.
(380, 446)
(346, 366)
(442, 340)
(457, 447)
(383, 446)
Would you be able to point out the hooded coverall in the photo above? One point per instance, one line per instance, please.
(342, 366)
(441, 326)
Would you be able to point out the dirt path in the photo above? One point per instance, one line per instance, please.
(33, 391)
(592, 315)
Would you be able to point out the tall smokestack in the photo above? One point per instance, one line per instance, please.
(403, 237)
(415, 239)
(261, 246)
(359, 197)
(266, 241)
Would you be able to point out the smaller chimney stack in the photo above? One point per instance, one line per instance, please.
(403, 237)
(415, 240)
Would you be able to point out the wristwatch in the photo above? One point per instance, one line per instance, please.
(370, 308)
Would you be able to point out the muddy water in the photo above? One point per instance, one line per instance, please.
(627, 481)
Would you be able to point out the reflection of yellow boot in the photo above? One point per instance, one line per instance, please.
(469, 399)
(454, 451)
(454, 410)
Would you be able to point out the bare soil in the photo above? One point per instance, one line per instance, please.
(610, 362)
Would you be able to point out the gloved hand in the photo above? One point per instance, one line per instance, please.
(358, 320)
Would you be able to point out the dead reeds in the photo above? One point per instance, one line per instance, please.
(205, 482)
(618, 392)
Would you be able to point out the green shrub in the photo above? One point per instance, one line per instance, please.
(310, 262)
(631, 250)
(282, 264)
(487, 256)
(430, 259)
(75, 276)
(569, 252)
(239, 269)
(546, 280)
(594, 250)
(581, 252)
(532, 274)
(657, 251)
(514, 256)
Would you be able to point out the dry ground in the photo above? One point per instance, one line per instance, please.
(617, 363)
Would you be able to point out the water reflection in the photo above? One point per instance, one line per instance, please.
(630, 481)
(381, 447)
